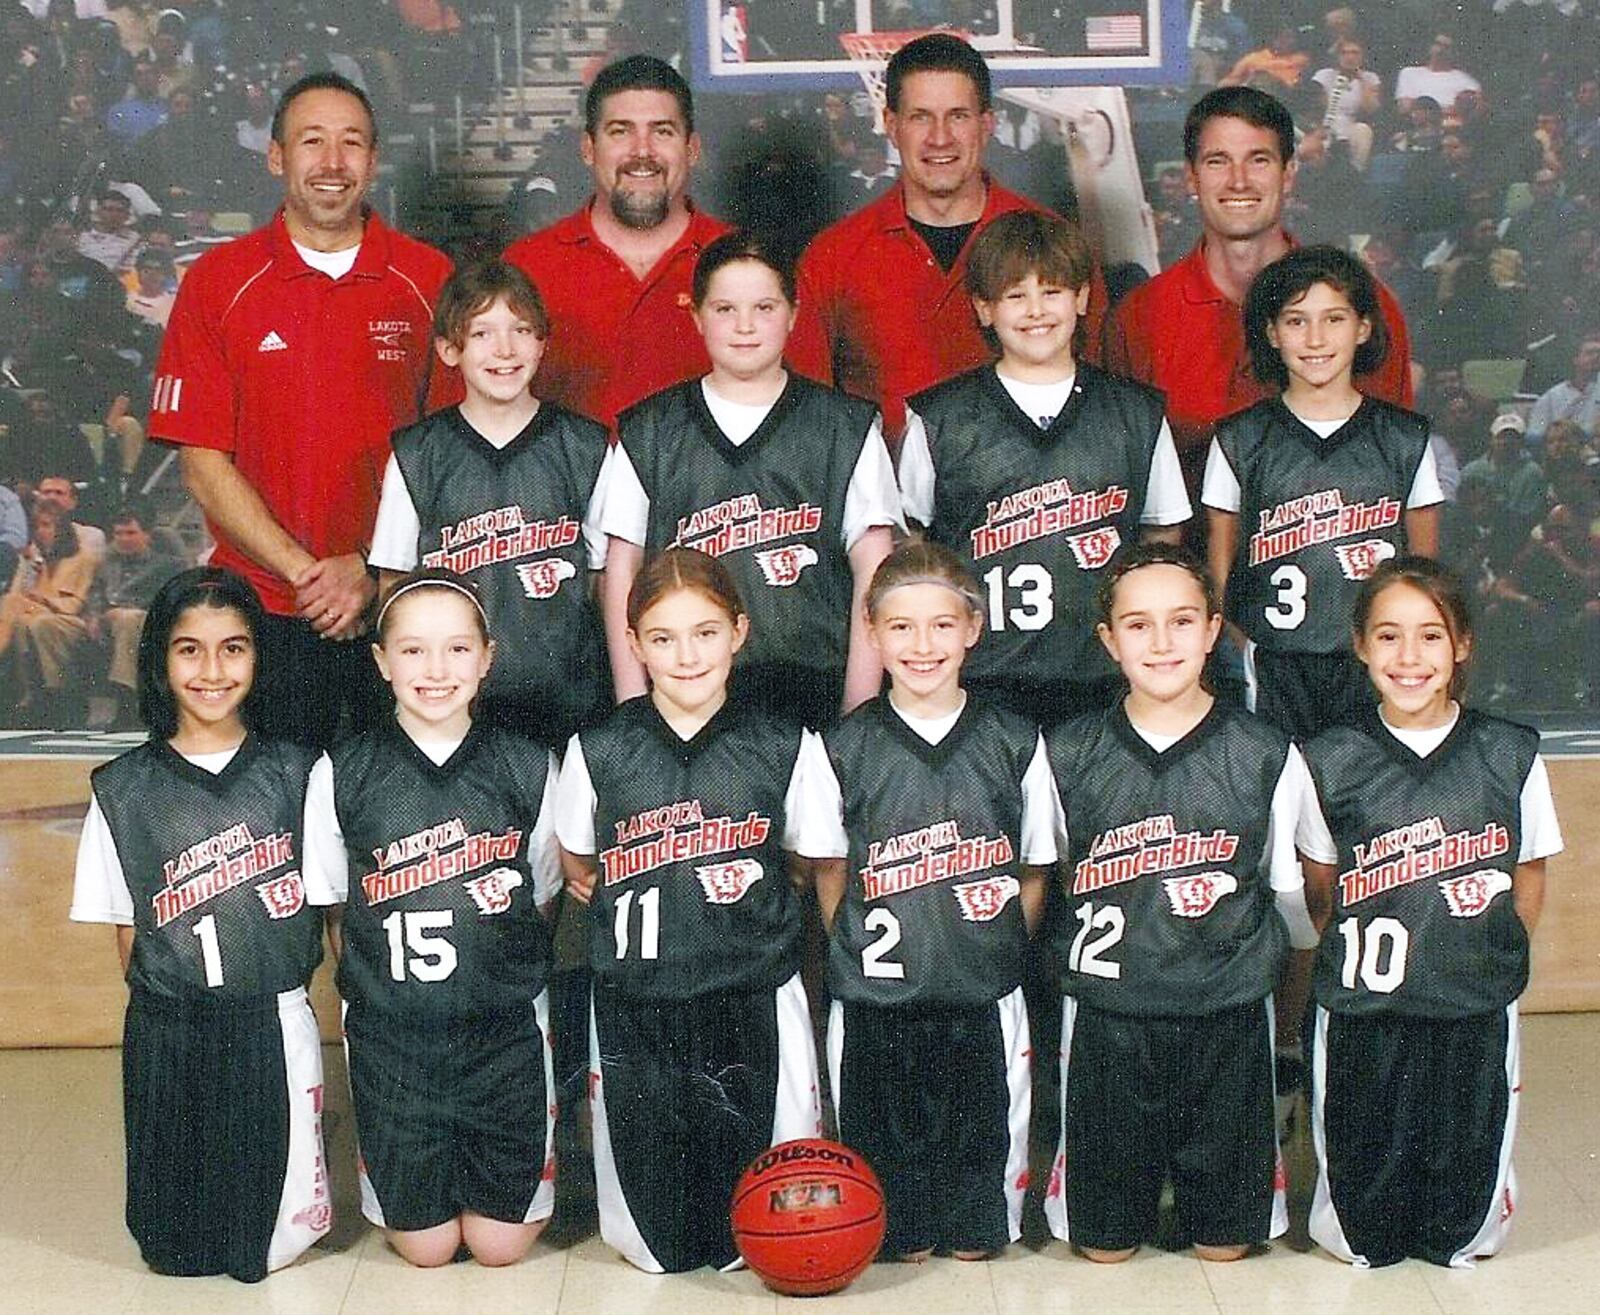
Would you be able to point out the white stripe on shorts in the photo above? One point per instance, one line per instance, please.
(797, 1112)
(305, 1209)
(1324, 1226)
(544, 1197)
(1496, 1226)
(1014, 1035)
(371, 1210)
(617, 1225)
(1055, 1192)
(1012, 1012)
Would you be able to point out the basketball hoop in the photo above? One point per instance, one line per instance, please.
(870, 52)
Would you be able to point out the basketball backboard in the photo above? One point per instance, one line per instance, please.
(794, 45)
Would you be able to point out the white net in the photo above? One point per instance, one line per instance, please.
(870, 51)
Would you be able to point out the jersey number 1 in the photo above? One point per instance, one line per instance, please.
(210, 951)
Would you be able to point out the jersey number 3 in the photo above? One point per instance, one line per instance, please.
(1290, 610)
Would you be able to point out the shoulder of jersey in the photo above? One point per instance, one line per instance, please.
(1489, 723)
(932, 396)
(522, 758)
(584, 427)
(768, 722)
(1329, 740)
(1121, 383)
(1255, 728)
(656, 400)
(1009, 721)
(126, 759)
(864, 719)
(1071, 740)
(363, 743)
(1398, 416)
(297, 759)
(863, 408)
(417, 430)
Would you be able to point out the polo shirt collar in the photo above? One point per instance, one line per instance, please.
(893, 205)
(372, 256)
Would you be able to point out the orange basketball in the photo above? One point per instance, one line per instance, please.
(808, 1216)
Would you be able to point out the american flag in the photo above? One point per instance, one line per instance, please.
(1114, 32)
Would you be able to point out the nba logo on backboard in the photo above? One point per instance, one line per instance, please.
(734, 34)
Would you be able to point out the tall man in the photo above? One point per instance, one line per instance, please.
(1183, 331)
(887, 284)
(615, 275)
(291, 355)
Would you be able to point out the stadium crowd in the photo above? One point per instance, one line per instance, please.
(1462, 162)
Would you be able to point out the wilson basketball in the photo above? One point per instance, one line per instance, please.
(808, 1216)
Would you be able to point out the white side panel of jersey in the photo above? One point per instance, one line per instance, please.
(305, 1210)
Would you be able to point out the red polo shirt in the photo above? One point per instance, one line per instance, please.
(614, 338)
(887, 316)
(1179, 333)
(302, 378)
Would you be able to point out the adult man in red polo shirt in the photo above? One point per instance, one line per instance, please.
(1183, 331)
(887, 285)
(291, 355)
(615, 275)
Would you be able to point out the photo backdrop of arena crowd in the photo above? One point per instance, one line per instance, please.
(1456, 149)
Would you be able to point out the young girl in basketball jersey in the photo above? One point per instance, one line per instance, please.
(1429, 872)
(1182, 895)
(192, 849)
(675, 818)
(436, 829)
(933, 873)
(1308, 491)
(500, 490)
(787, 482)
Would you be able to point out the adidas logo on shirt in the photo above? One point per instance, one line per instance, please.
(273, 343)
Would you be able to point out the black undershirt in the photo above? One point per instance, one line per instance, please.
(945, 241)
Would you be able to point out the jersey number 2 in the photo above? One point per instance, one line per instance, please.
(887, 928)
